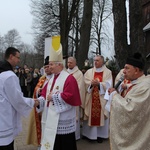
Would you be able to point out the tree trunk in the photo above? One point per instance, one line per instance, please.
(85, 33)
(136, 26)
(120, 31)
(64, 25)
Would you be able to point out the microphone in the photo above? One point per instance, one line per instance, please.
(119, 82)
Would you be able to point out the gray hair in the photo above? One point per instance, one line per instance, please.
(100, 56)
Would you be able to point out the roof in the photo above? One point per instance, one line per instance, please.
(147, 27)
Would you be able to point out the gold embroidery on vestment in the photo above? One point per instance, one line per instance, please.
(47, 145)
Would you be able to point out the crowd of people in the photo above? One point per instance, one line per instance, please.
(28, 78)
(65, 99)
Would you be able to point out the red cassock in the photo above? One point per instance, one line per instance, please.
(70, 93)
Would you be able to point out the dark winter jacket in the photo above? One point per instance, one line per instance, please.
(5, 66)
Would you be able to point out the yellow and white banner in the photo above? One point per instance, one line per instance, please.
(53, 48)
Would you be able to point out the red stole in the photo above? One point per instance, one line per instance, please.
(123, 93)
(129, 89)
(54, 80)
(96, 105)
(53, 83)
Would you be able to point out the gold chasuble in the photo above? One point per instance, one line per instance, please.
(34, 132)
(96, 105)
(38, 116)
(130, 117)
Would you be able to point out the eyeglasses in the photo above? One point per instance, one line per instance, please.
(17, 57)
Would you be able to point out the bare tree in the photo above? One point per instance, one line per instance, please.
(72, 20)
(120, 31)
(102, 10)
(28, 54)
(2, 43)
(85, 33)
(54, 17)
(136, 27)
(12, 38)
(74, 35)
(39, 44)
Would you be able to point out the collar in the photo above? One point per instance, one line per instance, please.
(99, 69)
(73, 70)
(49, 76)
(5, 66)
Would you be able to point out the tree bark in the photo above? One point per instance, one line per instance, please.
(136, 26)
(85, 33)
(66, 18)
(120, 31)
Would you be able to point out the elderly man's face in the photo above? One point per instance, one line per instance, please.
(98, 62)
(71, 63)
(54, 67)
(130, 72)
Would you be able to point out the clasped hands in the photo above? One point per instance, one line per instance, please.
(49, 98)
(95, 82)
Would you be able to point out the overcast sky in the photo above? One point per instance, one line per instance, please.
(15, 14)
